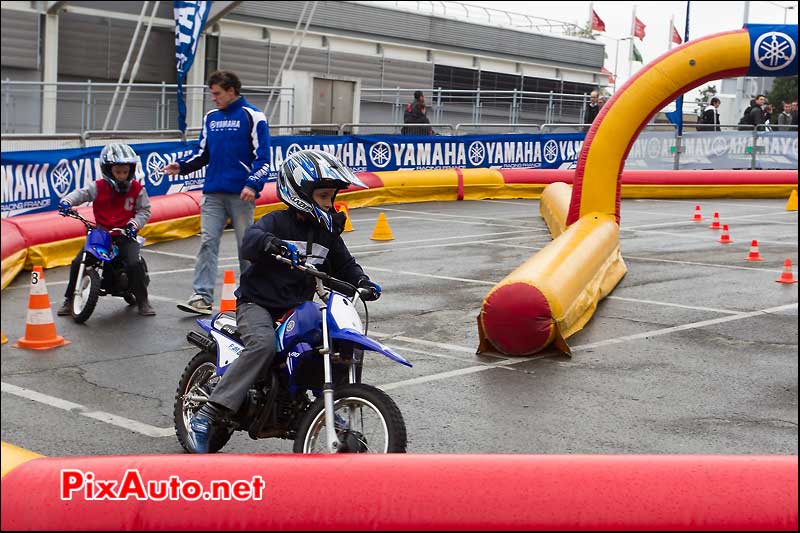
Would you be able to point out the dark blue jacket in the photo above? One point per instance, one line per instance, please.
(234, 143)
(277, 287)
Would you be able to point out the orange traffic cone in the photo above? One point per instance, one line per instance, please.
(341, 206)
(382, 232)
(754, 255)
(715, 223)
(698, 216)
(791, 204)
(3, 338)
(40, 330)
(725, 238)
(228, 300)
(786, 275)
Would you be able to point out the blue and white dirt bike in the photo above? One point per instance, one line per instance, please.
(314, 384)
(102, 271)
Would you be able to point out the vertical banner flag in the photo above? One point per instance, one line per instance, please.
(597, 22)
(635, 53)
(190, 19)
(638, 28)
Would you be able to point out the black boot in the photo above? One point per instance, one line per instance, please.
(145, 309)
(66, 307)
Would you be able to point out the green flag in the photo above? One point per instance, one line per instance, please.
(635, 53)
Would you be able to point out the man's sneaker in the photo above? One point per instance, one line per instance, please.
(196, 304)
(198, 434)
(66, 308)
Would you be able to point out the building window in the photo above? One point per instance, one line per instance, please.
(212, 54)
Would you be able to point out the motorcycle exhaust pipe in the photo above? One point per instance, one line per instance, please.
(201, 341)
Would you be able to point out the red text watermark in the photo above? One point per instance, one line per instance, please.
(131, 486)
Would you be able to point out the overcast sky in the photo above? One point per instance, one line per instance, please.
(705, 18)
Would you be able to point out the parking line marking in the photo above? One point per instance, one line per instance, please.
(716, 265)
(683, 327)
(667, 304)
(692, 236)
(108, 418)
(439, 239)
(427, 213)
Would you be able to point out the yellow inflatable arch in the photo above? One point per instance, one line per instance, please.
(553, 294)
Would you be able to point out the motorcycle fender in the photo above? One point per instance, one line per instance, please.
(227, 351)
(369, 344)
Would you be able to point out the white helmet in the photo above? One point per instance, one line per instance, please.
(118, 154)
(308, 170)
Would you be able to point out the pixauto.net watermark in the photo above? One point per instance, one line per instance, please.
(85, 485)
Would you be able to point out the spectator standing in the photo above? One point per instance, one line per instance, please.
(592, 109)
(710, 117)
(416, 113)
(785, 118)
(234, 143)
(794, 112)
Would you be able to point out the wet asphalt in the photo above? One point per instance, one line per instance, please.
(695, 352)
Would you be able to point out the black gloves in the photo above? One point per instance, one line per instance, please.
(371, 290)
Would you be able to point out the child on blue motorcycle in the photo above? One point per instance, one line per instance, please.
(119, 201)
(308, 182)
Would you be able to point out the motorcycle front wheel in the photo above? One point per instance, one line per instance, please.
(85, 300)
(197, 381)
(367, 421)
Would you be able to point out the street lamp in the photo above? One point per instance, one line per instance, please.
(616, 56)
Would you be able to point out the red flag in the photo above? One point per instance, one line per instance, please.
(638, 28)
(597, 22)
(676, 37)
(610, 74)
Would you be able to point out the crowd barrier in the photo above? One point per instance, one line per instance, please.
(408, 492)
(48, 240)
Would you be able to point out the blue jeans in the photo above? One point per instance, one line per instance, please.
(215, 209)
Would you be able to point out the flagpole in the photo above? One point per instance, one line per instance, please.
(591, 16)
(630, 54)
(669, 33)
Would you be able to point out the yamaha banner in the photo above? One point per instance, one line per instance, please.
(773, 49)
(190, 19)
(35, 181)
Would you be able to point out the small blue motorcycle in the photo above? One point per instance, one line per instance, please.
(101, 272)
(313, 386)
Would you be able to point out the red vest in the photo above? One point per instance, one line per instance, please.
(113, 209)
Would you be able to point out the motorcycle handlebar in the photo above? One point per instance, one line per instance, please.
(334, 283)
(74, 214)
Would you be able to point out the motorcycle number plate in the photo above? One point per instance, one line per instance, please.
(344, 313)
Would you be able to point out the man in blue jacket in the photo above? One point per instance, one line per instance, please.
(234, 143)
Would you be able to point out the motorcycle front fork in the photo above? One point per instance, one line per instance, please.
(327, 392)
(81, 268)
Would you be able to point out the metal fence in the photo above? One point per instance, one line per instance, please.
(19, 142)
(84, 106)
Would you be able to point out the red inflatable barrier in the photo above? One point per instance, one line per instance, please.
(12, 240)
(433, 492)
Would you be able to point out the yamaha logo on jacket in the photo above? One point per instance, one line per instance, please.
(234, 143)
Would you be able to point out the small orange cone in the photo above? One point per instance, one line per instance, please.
(228, 300)
(341, 206)
(40, 330)
(786, 275)
(3, 338)
(725, 238)
(791, 204)
(382, 232)
(715, 223)
(754, 255)
(698, 216)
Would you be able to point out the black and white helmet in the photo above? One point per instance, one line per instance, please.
(118, 154)
(307, 170)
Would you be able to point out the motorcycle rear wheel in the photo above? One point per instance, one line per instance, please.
(198, 378)
(367, 421)
(84, 302)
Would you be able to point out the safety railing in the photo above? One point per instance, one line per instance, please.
(393, 128)
(473, 127)
(85, 105)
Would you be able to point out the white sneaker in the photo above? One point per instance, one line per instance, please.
(196, 304)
